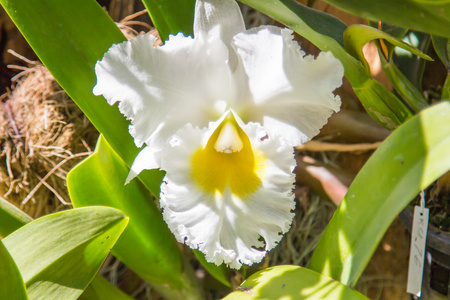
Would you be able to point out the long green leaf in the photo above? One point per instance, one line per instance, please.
(432, 16)
(146, 246)
(11, 218)
(292, 282)
(383, 106)
(59, 254)
(171, 17)
(11, 282)
(410, 159)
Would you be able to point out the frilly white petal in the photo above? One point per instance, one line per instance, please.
(161, 88)
(219, 19)
(292, 93)
(224, 15)
(224, 227)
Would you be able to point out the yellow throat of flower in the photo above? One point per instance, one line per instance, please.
(228, 159)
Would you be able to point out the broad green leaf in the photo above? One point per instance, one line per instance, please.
(59, 254)
(221, 273)
(383, 106)
(171, 17)
(357, 36)
(11, 218)
(410, 159)
(292, 282)
(11, 282)
(146, 246)
(79, 32)
(432, 16)
(101, 289)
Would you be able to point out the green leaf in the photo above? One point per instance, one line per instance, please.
(292, 282)
(357, 36)
(318, 22)
(59, 254)
(432, 16)
(221, 273)
(171, 17)
(383, 106)
(11, 218)
(410, 159)
(403, 86)
(11, 282)
(146, 246)
(102, 289)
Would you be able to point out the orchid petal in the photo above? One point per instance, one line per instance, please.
(224, 15)
(292, 93)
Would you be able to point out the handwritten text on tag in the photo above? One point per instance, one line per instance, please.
(417, 253)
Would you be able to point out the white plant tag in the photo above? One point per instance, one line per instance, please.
(417, 251)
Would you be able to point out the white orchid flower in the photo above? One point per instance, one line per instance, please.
(220, 113)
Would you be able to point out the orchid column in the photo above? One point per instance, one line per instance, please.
(220, 113)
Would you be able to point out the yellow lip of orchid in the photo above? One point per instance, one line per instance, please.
(228, 184)
(228, 160)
